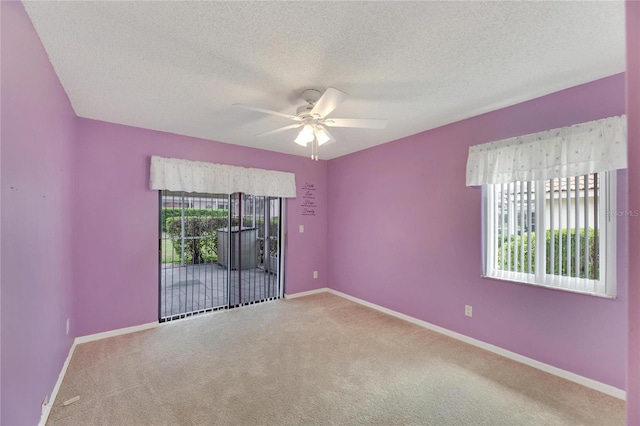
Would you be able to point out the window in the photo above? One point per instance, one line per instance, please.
(553, 233)
(549, 205)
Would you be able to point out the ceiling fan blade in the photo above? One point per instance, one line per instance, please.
(364, 123)
(281, 129)
(268, 111)
(329, 100)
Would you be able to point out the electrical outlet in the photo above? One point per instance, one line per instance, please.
(315, 274)
(301, 229)
(67, 326)
(468, 310)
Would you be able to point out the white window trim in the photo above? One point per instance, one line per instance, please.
(604, 287)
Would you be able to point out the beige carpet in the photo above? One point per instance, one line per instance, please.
(314, 360)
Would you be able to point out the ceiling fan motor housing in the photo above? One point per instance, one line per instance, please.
(304, 110)
(311, 96)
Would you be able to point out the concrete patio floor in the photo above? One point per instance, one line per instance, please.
(193, 288)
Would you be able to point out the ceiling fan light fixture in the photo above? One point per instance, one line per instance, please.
(305, 136)
(321, 136)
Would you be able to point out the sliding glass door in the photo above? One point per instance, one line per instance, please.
(217, 251)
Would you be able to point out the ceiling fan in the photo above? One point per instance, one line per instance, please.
(313, 121)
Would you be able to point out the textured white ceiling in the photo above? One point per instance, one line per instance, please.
(179, 66)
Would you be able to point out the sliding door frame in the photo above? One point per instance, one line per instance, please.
(282, 235)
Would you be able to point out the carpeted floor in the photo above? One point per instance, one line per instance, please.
(314, 360)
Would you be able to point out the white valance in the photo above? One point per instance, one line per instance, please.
(174, 174)
(592, 147)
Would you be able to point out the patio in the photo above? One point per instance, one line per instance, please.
(193, 288)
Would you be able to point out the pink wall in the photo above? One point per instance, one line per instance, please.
(633, 108)
(405, 234)
(116, 259)
(37, 141)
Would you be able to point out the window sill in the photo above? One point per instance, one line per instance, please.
(568, 290)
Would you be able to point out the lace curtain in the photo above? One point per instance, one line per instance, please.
(591, 147)
(174, 174)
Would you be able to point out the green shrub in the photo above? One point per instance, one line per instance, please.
(209, 245)
(274, 247)
(169, 212)
(515, 244)
(593, 259)
(273, 225)
(204, 248)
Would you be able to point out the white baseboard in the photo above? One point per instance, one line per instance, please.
(46, 410)
(306, 293)
(581, 380)
(113, 333)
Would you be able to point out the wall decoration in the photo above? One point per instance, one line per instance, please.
(308, 205)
